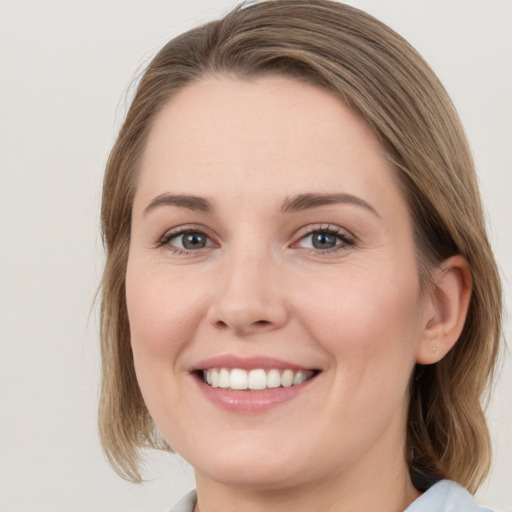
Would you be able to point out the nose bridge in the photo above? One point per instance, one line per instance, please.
(248, 298)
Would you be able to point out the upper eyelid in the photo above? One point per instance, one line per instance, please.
(183, 229)
(346, 238)
(329, 228)
(186, 228)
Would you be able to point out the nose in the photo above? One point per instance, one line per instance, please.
(249, 297)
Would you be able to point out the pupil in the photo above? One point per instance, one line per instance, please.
(194, 241)
(324, 241)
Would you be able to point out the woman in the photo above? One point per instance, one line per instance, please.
(299, 295)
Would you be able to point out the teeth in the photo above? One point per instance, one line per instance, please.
(299, 378)
(287, 378)
(273, 379)
(237, 380)
(224, 378)
(257, 379)
(214, 377)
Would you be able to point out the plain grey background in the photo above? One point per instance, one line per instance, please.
(65, 71)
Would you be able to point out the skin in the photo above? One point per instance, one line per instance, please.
(260, 288)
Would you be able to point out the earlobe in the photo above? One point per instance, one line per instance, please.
(446, 310)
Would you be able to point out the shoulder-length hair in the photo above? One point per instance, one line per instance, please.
(380, 76)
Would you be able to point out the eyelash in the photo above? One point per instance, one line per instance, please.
(166, 239)
(346, 239)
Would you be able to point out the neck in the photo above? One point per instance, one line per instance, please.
(370, 489)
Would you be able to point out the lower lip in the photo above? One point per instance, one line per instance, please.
(251, 401)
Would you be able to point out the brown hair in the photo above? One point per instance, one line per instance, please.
(379, 75)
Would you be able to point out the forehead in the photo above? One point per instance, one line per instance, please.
(267, 135)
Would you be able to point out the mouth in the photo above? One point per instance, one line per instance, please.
(258, 379)
(252, 385)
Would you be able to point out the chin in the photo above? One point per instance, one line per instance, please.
(256, 475)
(253, 465)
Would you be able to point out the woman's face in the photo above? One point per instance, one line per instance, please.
(270, 242)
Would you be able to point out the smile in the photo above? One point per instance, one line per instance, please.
(255, 380)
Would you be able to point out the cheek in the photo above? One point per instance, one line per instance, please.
(367, 319)
(162, 312)
(370, 332)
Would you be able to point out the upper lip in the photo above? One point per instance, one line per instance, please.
(247, 363)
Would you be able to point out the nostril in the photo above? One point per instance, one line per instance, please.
(256, 325)
(262, 323)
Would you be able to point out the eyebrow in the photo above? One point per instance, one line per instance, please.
(306, 201)
(292, 204)
(194, 203)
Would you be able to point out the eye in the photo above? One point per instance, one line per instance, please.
(186, 240)
(325, 239)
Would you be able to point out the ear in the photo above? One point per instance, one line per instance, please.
(446, 309)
